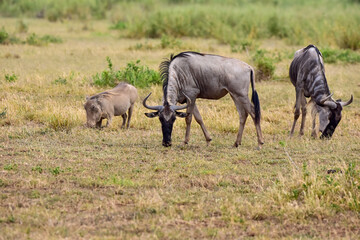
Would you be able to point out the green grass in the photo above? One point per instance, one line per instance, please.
(327, 22)
(59, 179)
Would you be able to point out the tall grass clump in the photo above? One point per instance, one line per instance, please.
(320, 194)
(55, 10)
(134, 73)
(297, 23)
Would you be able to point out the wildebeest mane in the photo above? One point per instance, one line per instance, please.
(164, 68)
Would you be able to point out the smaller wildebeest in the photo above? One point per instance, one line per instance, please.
(307, 74)
(114, 102)
(191, 75)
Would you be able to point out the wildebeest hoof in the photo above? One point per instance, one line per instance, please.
(236, 144)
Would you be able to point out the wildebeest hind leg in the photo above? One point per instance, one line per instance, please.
(243, 116)
(297, 110)
(199, 120)
(303, 114)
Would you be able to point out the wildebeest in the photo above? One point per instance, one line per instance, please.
(307, 74)
(191, 75)
(114, 102)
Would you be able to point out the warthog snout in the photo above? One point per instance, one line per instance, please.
(166, 144)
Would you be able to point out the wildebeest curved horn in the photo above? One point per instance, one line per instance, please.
(176, 108)
(326, 98)
(158, 108)
(328, 101)
(348, 102)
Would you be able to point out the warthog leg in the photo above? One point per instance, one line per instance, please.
(129, 115)
(124, 116)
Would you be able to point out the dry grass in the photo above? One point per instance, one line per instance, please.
(59, 179)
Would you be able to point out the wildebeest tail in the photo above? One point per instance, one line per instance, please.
(255, 99)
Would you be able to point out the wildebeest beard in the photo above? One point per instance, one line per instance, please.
(334, 121)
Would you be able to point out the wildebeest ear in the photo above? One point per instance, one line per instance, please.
(87, 98)
(182, 114)
(152, 114)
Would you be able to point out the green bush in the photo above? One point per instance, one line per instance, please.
(334, 56)
(140, 76)
(133, 73)
(265, 66)
(34, 39)
(120, 25)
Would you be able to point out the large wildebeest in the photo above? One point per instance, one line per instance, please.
(307, 74)
(191, 75)
(113, 102)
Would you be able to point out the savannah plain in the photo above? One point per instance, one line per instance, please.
(60, 179)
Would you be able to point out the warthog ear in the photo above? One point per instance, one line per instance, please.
(152, 114)
(182, 114)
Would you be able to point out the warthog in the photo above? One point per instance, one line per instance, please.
(114, 102)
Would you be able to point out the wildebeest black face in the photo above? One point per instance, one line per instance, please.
(331, 114)
(167, 116)
(334, 117)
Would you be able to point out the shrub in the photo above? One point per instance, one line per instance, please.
(106, 77)
(61, 81)
(10, 78)
(265, 67)
(334, 56)
(35, 40)
(140, 76)
(3, 36)
(120, 25)
(134, 73)
(349, 38)
(169, 42)
(3, 113)
(22, 27)
(243, 45)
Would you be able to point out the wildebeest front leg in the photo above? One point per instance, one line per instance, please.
(297, 110)
(124, 116)
(188, 120)
(199, 120)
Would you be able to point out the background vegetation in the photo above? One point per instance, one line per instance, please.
(59, 179)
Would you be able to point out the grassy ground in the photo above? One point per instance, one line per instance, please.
(59, 179)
